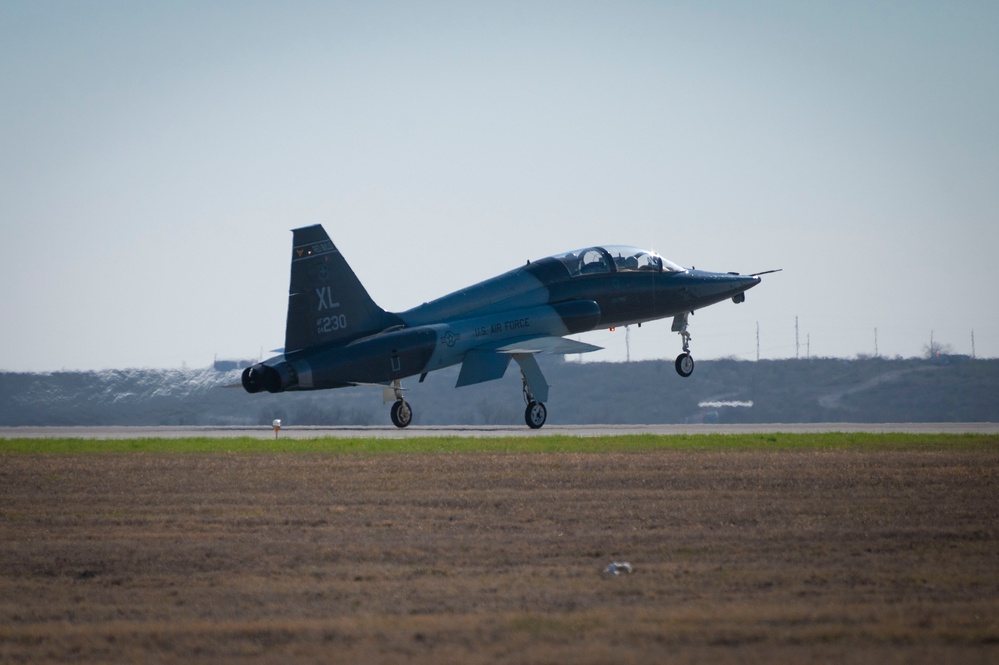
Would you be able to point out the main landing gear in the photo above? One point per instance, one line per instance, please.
(684, 362)
(535, 391)
(536, 413)
(402, 412)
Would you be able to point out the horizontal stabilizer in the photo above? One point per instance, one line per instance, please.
(553, 345)
(481, 365)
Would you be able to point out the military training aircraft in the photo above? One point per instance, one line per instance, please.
(336, 335)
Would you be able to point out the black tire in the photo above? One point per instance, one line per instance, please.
(402, 413)
(684, 365)
(535, 415)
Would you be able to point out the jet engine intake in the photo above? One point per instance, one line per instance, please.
(578, 315)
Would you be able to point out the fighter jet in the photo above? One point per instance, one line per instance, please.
(336, 336)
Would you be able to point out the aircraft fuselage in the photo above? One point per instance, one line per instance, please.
(539, 299)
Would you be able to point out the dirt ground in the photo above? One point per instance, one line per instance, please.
(864, 557)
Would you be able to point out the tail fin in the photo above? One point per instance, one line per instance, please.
(326, 301)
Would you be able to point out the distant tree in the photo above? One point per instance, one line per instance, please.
(936, 349)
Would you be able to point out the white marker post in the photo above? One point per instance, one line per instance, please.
(277, 427)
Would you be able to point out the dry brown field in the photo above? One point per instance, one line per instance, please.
(738, 556)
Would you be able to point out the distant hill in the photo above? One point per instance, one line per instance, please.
(946, 389)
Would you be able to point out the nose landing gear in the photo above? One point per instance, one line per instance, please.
(684, 365)
(684, 362)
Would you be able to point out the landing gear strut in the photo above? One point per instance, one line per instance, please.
(402, 412)
(684, 362)
(536, 413)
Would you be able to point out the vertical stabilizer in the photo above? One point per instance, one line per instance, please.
(326, 301)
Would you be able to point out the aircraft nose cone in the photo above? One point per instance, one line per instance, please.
(717, 286)
(740, 283)
(737, 285)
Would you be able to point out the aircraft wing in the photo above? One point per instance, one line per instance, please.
(482, 365)
(489, 362)
(550, 344)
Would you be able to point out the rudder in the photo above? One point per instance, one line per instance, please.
(326, 301)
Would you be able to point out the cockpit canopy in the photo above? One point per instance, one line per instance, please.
(615, 258)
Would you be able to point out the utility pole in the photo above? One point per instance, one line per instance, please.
(796, 346)
(627, 342)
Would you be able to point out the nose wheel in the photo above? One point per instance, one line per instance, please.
(684, 365)
(684, 362)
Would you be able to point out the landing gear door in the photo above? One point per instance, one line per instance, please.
(535, 378)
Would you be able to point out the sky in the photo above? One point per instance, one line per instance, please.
(155, 156)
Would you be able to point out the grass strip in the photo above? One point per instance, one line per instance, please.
(533, 444)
